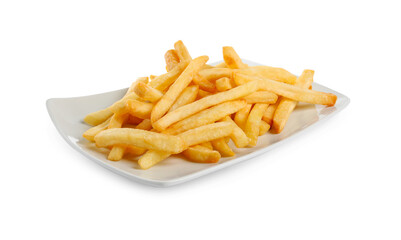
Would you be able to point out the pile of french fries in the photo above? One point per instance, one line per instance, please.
(195, 109)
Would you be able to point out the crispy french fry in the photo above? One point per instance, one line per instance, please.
(168, 99)
(133, 120)
(145, 125)
(224, 84)
(290, 91)
(242, 115)
(263, 128)
(162, 82)
(205, 133)
(171, 59)
(269, 113)
(261, 97)
(117, 120)
(144, 80)
(152, 77)
(192, 108)
(207, 145)
(120, 107)
(134, 150)
(222, 147)
(286, 106)
(187, 96)
(202, 94)
(151, 158)
(238, 136)
(213, 74)
(200, 154)
(182, 51)
(253, 123)
(278, 74)
(204, 84)
(206, 116)
(232, 59)
(140, 138)
(91, 132)
(116, 153)
(139, 109)
(98, 117)
(147, 93)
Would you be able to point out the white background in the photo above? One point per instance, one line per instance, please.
(341, 180)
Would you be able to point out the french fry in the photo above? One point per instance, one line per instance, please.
(205, 133)
(171, 59)
(116, 153)
(286, 106)
(162, 82)
(202, 94)
(145, 125)
(224, 84)
(232, 59)
(152, 77)
(269, 113)
(151, 158)
(120, 107)
(261, 97)
(278, 74)
(200, 154)
(98, 117)
(147, 93)
(187, 96)
(222, 147)
(204, 84)
(182, 51)
(238, 136)
(91, 132)
(242, 115)
(213, 74)
(253, 123)
(289, 91)
(207, 145)
(140, 138)
(206, 116)
(117, 120)
(192, 108)
(133, 120)
(263, 128)
(144, 80)
(168, 99)
(139, 109)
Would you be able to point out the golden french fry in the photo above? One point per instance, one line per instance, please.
(187, 96)
(134, 150)
(213, 74)
(269, 113)
(200, 154)
(221, 65)
(202, 94)
(171, 59)
(151, 158)
(290, 91)
(206, 116)
(205, 133)
(116, 153)
(263, 128)
(286, 106)
(238, 136)
(192, 108)
(278, 74)
(91, 132)
(139, 109)
(232, 59)
(145, 125)
(98, 117)
(117, 120)
(147, 93)
(168, 99)
(151, 77)
(182, 51)
(204, 84)
(133, 120)
(242, 115)
(164, 81)
(261, 97)
(120, 107)
(222, 147)
(140, 138)
(224, 84)
(207, 145)
(144, 80)
(253, 123)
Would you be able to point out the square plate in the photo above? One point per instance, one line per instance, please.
(67, 115)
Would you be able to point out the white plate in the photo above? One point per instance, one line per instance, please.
(67, 115)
